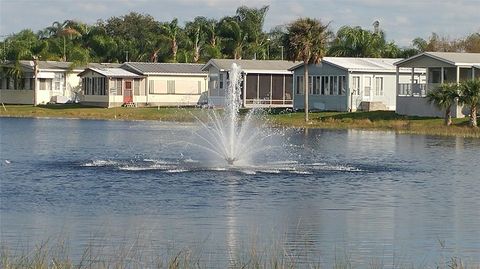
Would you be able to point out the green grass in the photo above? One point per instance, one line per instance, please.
(375, 120)
(48, 255)
(85, 112)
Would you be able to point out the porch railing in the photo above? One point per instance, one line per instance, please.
(418, 90)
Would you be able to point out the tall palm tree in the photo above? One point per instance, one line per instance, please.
(470, 96)
(444, 97)
(196, 36)
(170, 32)
(306, 40)
(63, 30)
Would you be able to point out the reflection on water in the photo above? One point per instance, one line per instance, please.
(323, 194)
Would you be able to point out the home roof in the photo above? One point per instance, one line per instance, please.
(42, 65)
(251, 65)
(453, 58)
(361, 64)
(112, 72)
(56, 65)
(165, 68)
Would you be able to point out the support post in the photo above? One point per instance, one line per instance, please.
(35, 83)
(397, 79)
(442, 75)
(412, 78)
(244, 89)
(458, 74)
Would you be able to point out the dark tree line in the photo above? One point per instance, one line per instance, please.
(139, 37)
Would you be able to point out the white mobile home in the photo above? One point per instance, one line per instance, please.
(170, 84)
(441, 67)
(350, 84)
(265, 83)
(54, 82)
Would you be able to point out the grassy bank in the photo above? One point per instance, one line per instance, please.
(57, 256)
(376, 120)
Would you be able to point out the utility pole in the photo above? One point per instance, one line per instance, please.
(281, 49)
(126, 56)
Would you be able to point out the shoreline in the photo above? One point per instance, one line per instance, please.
(371, 121)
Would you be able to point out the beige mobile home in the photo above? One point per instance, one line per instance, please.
(170, 84)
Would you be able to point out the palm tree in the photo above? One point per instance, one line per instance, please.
(234, 37)
(470, 96)
(251, 22)
(196, 36)
(444, 97)
(63, 30)
(170, 32)
(358, 42)
(306, 40)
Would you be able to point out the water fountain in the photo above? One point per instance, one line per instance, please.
(226, 134)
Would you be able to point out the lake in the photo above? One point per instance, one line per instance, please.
(320, 195)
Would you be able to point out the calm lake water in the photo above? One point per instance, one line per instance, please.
(321, 194)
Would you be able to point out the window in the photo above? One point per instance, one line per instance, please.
(379, 86)
(58, 81)
(45, 84)
(151, 86)
(356, 85)
(170, 86)
(331, 87)
(341, 85)
(368, 86)
(316, 85)
(310, 85)
(326, 85)
(136, 87)
(220, 81)
(299, 88)
(119, 86)
(335, 85)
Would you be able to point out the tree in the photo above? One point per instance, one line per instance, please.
(196, 34)
(472, 43)
(251, 22)
(170, 32)
(63, 30)
(470, 96)
(444, 97)
(306, 40)
(234, 37)
(358, 42)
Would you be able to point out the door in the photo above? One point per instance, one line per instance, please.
(127, 92)
(367, 88)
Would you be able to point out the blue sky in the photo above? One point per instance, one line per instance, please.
(402, 20)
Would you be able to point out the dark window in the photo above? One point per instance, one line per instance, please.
(252, 82)
(264, 86)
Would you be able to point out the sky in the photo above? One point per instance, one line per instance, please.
(401, 20)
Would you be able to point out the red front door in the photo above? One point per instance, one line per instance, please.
(127, 93)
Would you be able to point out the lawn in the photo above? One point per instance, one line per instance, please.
(375, 120)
